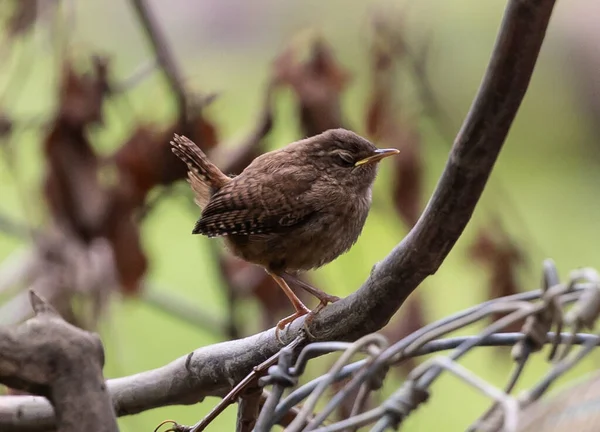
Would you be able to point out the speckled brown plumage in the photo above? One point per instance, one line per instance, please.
(296, 208)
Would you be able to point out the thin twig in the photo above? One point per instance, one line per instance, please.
(181, 309)
(164, 55)
(242, 386)
(13, 228)
(136, 77)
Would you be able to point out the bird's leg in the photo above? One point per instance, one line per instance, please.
(323, 297)
(301, 309)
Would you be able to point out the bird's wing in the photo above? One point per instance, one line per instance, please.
(258, 205)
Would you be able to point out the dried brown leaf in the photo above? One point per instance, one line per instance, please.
(317, 83)
(72, 189)
(386, 124)
(145, 160)
(73, 192)
(407, 183)
(381, 112)
(82, 95)
(79, 202)
(123, 233)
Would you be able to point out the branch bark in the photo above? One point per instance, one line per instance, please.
(216, 369)
(49, 357)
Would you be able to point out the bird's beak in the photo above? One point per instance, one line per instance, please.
(377, 156)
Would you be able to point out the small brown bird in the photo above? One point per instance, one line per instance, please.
(296, 208)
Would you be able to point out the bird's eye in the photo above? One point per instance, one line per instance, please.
(345, 158)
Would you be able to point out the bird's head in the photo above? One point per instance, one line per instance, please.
(345, 156)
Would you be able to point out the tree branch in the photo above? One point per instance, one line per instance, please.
(215, 369)
(49, 357)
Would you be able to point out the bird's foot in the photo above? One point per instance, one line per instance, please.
(325, 300)
(281, 324)
(321, 295)
(311, 315)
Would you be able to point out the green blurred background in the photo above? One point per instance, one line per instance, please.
(544, 185)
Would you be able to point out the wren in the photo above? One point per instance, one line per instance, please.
(292, 209)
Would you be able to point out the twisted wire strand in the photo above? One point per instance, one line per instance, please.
(542, 310)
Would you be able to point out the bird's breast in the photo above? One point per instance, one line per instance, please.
(328, 233)
(332, 232)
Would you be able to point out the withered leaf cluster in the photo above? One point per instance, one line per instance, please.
(79, 202)
(317, 83)
(386, 123)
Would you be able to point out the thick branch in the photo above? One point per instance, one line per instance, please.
(207, 371)
(214, 370)
(49, 357)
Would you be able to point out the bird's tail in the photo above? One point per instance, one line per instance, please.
(204, 176)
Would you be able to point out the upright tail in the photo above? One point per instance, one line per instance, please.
(204, 176)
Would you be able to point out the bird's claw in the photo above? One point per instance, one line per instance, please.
(288, 320)
(310, 314)
(329, 299)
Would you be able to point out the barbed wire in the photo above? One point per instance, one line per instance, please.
(574, 305)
